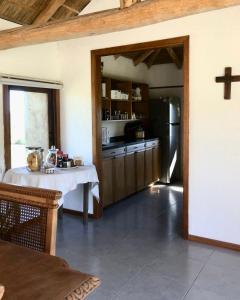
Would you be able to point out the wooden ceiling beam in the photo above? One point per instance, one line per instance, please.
(143, 13)
(48, 12)
(153, 57)
(71, 9)
(53, 19)
(174, 57)
(128, 3)
(139, 59)
(23, 6)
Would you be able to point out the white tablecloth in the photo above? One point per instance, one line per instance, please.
(62, 180)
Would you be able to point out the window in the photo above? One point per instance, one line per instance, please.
(31, 119)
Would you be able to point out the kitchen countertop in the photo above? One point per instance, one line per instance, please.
(124, 143)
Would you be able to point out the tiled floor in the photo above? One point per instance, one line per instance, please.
(138, 253)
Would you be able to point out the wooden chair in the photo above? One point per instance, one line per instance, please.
(28, 216)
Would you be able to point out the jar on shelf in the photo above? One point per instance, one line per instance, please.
(34, 158)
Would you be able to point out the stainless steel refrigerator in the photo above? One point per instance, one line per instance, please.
(165, 123)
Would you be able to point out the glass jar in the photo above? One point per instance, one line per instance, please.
(51, 159)
(34, 158)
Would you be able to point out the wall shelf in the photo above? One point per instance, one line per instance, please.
(129, 106)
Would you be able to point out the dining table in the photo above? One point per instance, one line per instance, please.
(63, 179)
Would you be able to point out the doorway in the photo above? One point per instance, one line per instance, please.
(96, 105)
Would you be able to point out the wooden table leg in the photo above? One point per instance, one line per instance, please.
(85, 202)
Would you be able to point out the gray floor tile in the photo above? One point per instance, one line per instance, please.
(200, 294)
(179, 268)
(193, 250)
(117, 275)
(225, 258)
(113, 273)
(221, 281)
(149, 284)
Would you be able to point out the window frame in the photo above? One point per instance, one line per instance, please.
(53, 117)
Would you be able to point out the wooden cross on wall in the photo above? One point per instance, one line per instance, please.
(227, 80)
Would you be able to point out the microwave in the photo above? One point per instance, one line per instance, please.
(105, 136)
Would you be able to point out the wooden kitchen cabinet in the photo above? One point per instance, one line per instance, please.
(156, 163)
(148, 166)
(140, 170)
(107, 182)
(129, 169)
(119, 191)
(130, 176)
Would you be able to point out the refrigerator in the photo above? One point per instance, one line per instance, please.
(165, 124)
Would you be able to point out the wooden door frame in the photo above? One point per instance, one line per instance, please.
(96, 111)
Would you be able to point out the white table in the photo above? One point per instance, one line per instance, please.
(64, 180)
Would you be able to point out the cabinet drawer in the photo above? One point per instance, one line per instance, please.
(152, 144)
(114, 152)
(136, 147)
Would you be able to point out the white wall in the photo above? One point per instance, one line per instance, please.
(214, 126)
(165, 75)
(214, 123)
(39, 61)
(116, 129)
(123, 68)
(4, 25)
(96, 5)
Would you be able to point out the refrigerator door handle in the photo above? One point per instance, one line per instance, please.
(174, 124)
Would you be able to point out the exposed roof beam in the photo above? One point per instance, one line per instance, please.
(71, 9)
(143, 13)
(128, 3)
(48, 12)
(139, 59)
(174, 57)
(53, 19)
(153, 57)
(23, 6)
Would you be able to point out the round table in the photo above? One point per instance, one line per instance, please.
(64, 180)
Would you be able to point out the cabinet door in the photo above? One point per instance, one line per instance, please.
(148, 166)
(156, 163)
(107, 182)
(140, 173)
(119, 178)
(130, 178)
